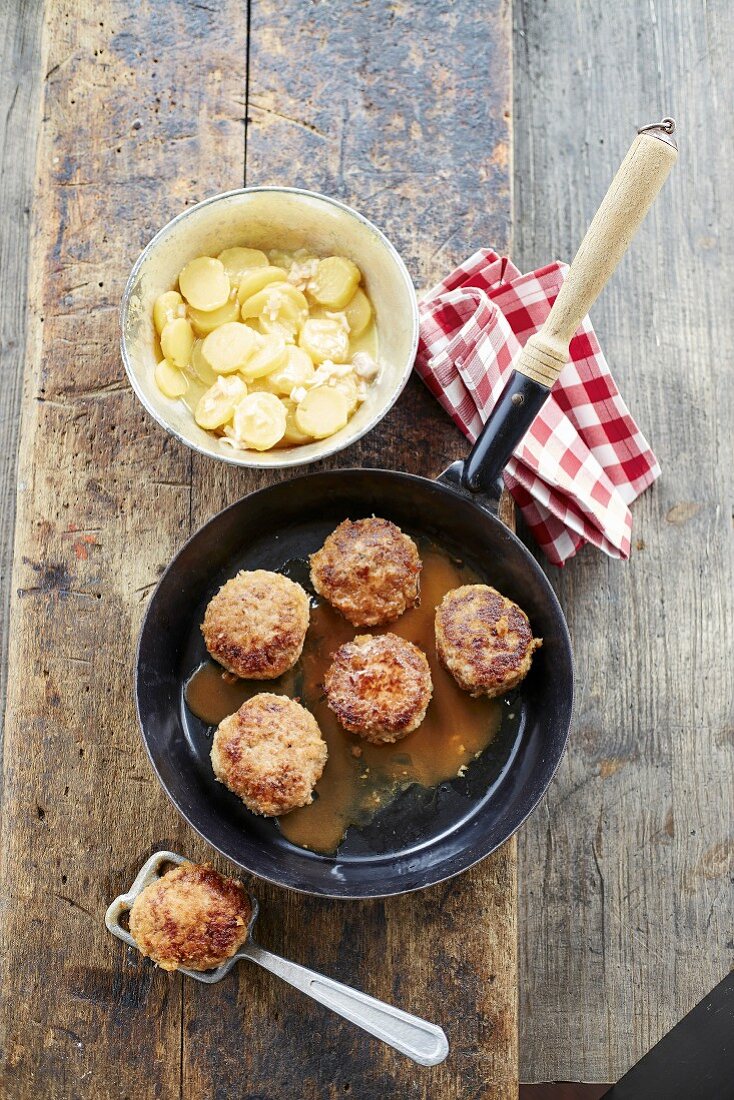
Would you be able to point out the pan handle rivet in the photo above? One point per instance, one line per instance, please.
(518, 399)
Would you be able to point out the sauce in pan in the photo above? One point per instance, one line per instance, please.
(360, 778)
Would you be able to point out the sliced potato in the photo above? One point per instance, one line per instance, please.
(348, 384)
(167, 308)
(238, 261)
(279, 332)
(204, 283)
(269, 356)
(227, 349)
(358, 312)
(297, 370)
(177, 342)
(170, 380)
(271, 298)
(324, 338)
(335, 282)
(293, 436)
(280, 308)
(200, 367)
(259, 421)
(216, 407)
(260, 385)
(205, 321)
(254, 281)
(323, 411)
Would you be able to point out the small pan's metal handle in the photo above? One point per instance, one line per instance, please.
(425, 1043)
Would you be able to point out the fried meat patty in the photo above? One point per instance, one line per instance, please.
(192, 916)
(484, 640)
(270, 753)
(379, 686)
(256, 624)
(369, 570)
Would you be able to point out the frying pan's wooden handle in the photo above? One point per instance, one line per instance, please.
(636, 184)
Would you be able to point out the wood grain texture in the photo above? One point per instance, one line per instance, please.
(144, 112)
(104, 500)
(625, 871)
(631, 193)
(634, 188)
(403, 110)
(329, 110)
(20, 89)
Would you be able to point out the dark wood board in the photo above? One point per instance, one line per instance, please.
(144, 111)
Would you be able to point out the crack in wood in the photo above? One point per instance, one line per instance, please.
(308, 126)
(75, 905)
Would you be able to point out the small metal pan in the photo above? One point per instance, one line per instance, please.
(418, 1039)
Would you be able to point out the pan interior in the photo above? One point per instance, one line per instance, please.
(411, 820)
(423, 835)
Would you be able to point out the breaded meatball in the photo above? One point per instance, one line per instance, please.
(379, 686)
(192, 916)
(484, 640)
(369, 570)
(270, 753)
(256, 624)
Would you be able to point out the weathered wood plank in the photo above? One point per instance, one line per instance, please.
(625, 873)
(20, 89)
(400, 110)
(105, 498)
(128, 136)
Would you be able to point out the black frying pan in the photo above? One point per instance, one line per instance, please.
(424, 836)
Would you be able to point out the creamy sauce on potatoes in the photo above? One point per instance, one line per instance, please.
(267, 350)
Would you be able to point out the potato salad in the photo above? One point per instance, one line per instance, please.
(267, 349)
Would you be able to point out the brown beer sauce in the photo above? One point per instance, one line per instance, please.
(360, 779)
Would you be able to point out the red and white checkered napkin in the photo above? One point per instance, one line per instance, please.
(584, 459)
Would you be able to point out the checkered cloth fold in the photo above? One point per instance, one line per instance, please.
(584, 459)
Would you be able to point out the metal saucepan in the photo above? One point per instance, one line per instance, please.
(270, 217)
(419, 840)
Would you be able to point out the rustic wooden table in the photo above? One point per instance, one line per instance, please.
(144, 112)
(404, 110)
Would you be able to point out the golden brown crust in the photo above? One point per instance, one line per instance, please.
(270, 753)
(192, 916)
(369, 570)
(256, 624)
(484, 640)
(379, 686)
